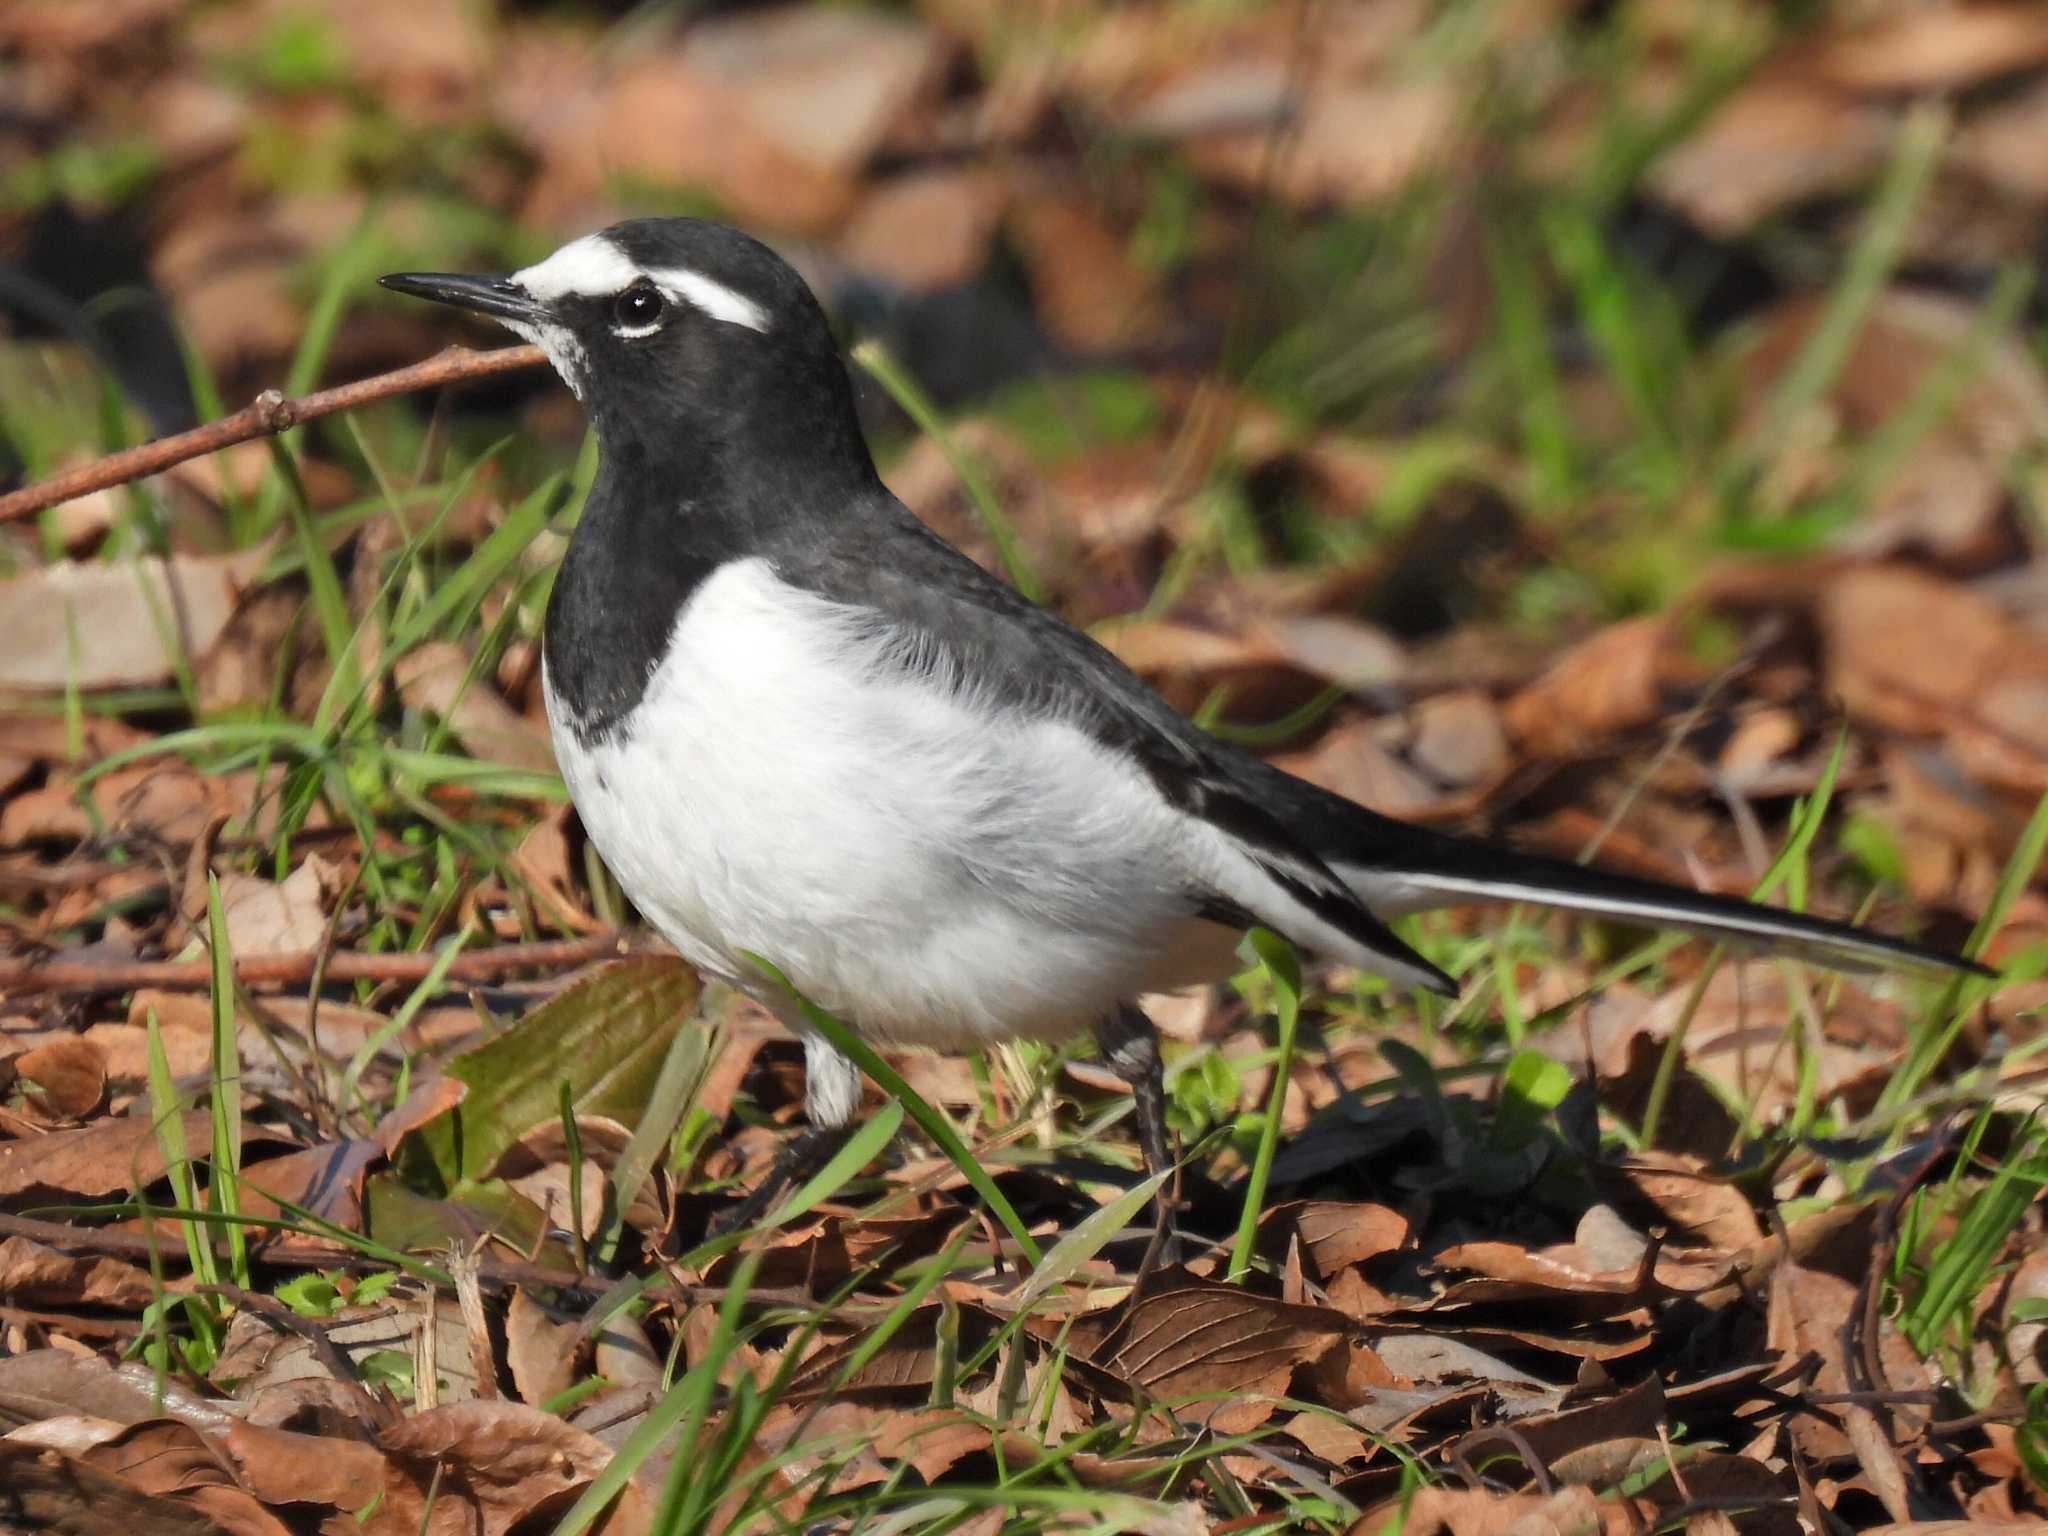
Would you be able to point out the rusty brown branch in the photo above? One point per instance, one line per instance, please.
(22, 976)
(269, 413)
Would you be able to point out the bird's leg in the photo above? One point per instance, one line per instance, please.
(801, 1156)
(831, 1096)
(1130, 1048)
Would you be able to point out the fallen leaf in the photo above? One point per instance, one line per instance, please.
(1186, 1338)
(70, 1072)
(435, 677)
(1334, 1234)
(273, 917)
(113, 1156)
(96, 625)
(1934, 48)
(541, 1348)
(1712, 1211)
(511, 1459)
(1778, 141)
(163, 1456)
(1605, 683)
(1091, 295)
(45, 1490)
(281, 1467)
(1903, 647)
(926, 229)
(1439, 1511)
(35, 1276)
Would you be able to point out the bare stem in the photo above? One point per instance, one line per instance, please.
(265, 416)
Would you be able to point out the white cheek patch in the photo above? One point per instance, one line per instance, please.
(594, 268)
(564, 354)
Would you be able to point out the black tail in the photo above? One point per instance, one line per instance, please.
(1397, 868)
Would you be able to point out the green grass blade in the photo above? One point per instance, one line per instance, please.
(1945, 1021)
(862, 1148)
(675, 1089)
(918, 406)
(933, 1124)
(1284, 969)
(225, 1072)
(1870, 265)
(167, 1118)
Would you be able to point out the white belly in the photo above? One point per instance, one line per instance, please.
(928, 875)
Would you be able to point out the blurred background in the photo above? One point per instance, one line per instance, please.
(1448, 396)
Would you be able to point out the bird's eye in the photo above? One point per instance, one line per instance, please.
(639, 308)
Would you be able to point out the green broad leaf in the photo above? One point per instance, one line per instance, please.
(606, 1037)
(403, 1218)
(1532, 1087)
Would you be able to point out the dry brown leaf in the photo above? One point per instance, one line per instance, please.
(906, 1362)
(1778, 141)
(511, 1459)
(931, 1440)
(170, 800)
(1352, 761)
(1334, 1234)
(1906, 648)
(326, 1179)
(541, 1349)
(35, 1276)
(117, 626)
(1329, 1436)
(1438, 1511)
(71, 1074)
(1631, 1415)
(773, 112)
(1092, 296)
(47, 1490)
(1935, 47)
(1186, 1338)
(1710, 1210)
(1562, 1276)
(928, 228)
(271, 917)
(163, 1456)
(431, 677)
(47, 1383)
(1354, 143)
(1605, 683)
(1458, 739)
(107, 1157)
(282, 1467)
(1769, 1494)
(1808, 1313)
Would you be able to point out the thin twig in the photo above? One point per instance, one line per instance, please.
(267, 415)
(492, 1274)
(22, 977)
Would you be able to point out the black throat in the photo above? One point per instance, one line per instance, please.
(663, 516)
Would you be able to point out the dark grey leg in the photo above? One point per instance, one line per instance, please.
(801, 1156)
(831, 1098)
(1130, 1048)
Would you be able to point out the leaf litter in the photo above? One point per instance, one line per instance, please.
(1481, 1302)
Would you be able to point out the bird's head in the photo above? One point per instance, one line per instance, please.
(677, 334)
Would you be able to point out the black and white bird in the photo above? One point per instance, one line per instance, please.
(797, 723)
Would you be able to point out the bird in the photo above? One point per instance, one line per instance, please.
(797, 724)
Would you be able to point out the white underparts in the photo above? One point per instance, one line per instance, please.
(931, 867)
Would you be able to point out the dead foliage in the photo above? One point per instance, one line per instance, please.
(1443, 521)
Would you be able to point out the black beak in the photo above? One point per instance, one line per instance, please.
(486, 293)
